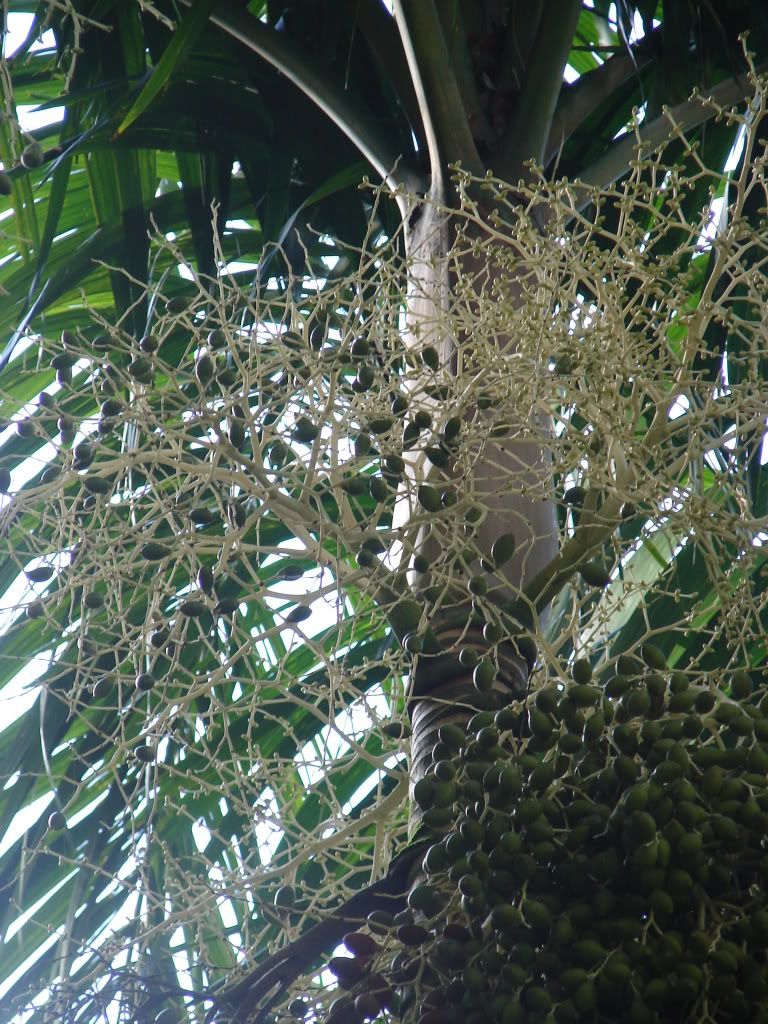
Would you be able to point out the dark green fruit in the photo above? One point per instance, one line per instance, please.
(629, 665)
(204, 369)
(101, 688)
(430, 357)
(153, 551)
(379, 489)
(39, 574)
(617, 686)
(424, 898)
(641, 827)
(285, 897)
(587, 953)
(140, 368)
(298, 614)
(741, 685)
(360, 348)
(424, 793)
(63, 361)
(595, 574)
(437, 456)
(32, 155)
(366, 375)
(583, 695)
(97, 484)
(452, 735)
(653, 657)
(193, 609)
(581, 670)
(484, 675)
(56, 821)
(468, 657)
(396, 730)
(205, 579)
(574, 496)
(429, 498)
(144, 681)
(305, 430)
(177, 304)
(502, 549)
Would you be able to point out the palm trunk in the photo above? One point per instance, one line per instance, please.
(442, 688)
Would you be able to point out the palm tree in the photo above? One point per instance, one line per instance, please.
(384, 561)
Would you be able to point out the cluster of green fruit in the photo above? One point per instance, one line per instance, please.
(602, 859)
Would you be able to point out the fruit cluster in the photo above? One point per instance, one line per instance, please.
(605, 861)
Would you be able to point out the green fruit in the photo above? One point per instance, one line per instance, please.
(581, 670)
(413, 643)
(595, 574)
(537, 915)
(680, 703)
(452, 735)
(585, 997)
(101, 688)
(594, 727)
(653, 657)
(193, 609)
(541, 778)
(584, 696)
(429, 498)
(437, 456)
(177, 304)
(32, 155)
(511, 781)
(547, 699)
(575, 495)
(285, 897)
(380, 424)
(537, 999)
(379, 488)
(423, 898)
(705, 701)
(502, 549)
(204, 369)
(629, 665)
(656, 684)
(587, 953)
(741, 685)
(63, 360)
(430, 357)
(97, 484)
(39, 574)
(305, 430)
(141, 369)
(539, 723)
(56, 821)
(641, 827)
(153, 551)
(636, 703)
(424, 793)
(484, 675)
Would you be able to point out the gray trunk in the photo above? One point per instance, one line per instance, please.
(442, 690)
